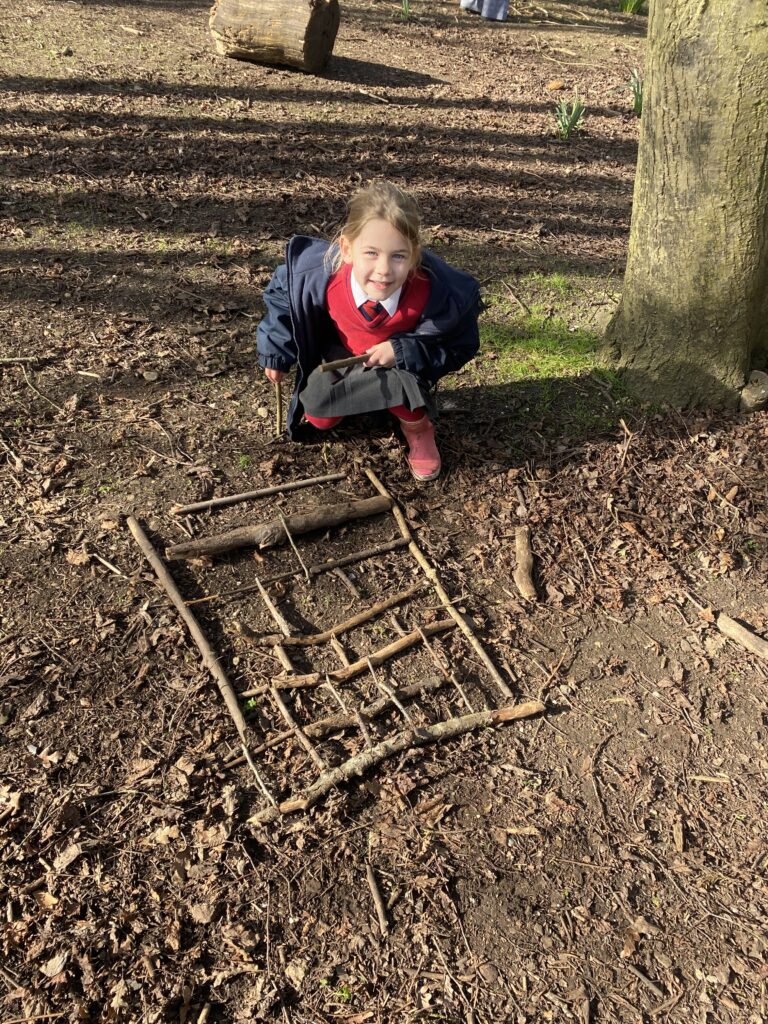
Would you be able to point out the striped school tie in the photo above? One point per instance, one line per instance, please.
(373, 312)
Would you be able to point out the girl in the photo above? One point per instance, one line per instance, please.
(373, 292)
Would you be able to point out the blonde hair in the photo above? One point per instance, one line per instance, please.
(380, 201)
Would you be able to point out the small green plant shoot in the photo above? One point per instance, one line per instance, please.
(406, 10)
(636, 88)
(568, 116)
(631, 6)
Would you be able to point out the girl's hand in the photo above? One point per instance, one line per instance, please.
(274, 375)
(381, 355)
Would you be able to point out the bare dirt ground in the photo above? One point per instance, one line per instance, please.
(604, 861)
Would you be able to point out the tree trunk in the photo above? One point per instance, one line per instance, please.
(298, 33)
(693, 311)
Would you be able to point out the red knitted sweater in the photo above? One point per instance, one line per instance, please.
(355, 332)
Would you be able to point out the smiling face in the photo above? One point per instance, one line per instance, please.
(381, 258)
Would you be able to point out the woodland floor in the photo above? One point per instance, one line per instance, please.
(603, 862)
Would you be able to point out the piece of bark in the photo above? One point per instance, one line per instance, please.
(272, 533)
(523, 575)
(313, 639)
(735, 631)
(342, 675)
(296, 33)
(462, 621)
(408, 739)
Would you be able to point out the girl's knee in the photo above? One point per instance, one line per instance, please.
(408, 415)
(323, 422)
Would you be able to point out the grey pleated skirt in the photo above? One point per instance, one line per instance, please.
(355, 389)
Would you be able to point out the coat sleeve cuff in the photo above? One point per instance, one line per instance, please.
(270, 362)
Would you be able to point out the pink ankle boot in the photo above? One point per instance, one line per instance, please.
(423, 456)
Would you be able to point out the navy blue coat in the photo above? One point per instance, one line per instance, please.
(297, 327)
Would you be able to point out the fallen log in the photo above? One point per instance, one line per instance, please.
(408, 739)
(269, 534)
(296, 33)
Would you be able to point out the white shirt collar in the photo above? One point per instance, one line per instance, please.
(358, 294)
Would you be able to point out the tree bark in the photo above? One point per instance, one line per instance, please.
(297, 33)
(693, 312)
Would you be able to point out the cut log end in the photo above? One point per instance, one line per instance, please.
(292, 33)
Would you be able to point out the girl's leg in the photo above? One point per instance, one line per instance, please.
(423, 456)
(406, 415)
(323, 422)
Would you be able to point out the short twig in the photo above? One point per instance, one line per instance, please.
(525, 308)
(391, 694)
(296, 551)
(378, 902)
(646, 981)
(257, 776)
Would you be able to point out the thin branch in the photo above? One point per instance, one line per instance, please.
(296, 729)
(378, 902)
(292, 542)
(462, 621)
(210, 660)
(342, 675)
(233, 499)
(409, 739)
(278, 408)
(342, 627)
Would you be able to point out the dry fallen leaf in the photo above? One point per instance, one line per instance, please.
(202, 913)
(295, 972)
(77, 557)
(165, 835)
(45, 899)
(55, 965)
(678, 835)
(631, 939)
(67, 857)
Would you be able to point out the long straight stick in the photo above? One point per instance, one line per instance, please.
(460, 620)
(313, 639)
(333, 723)
(210, 660)
(342, 675)
(313, 570)
(409, 739)
(278, 408)
(339, 563)
(264, 492)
